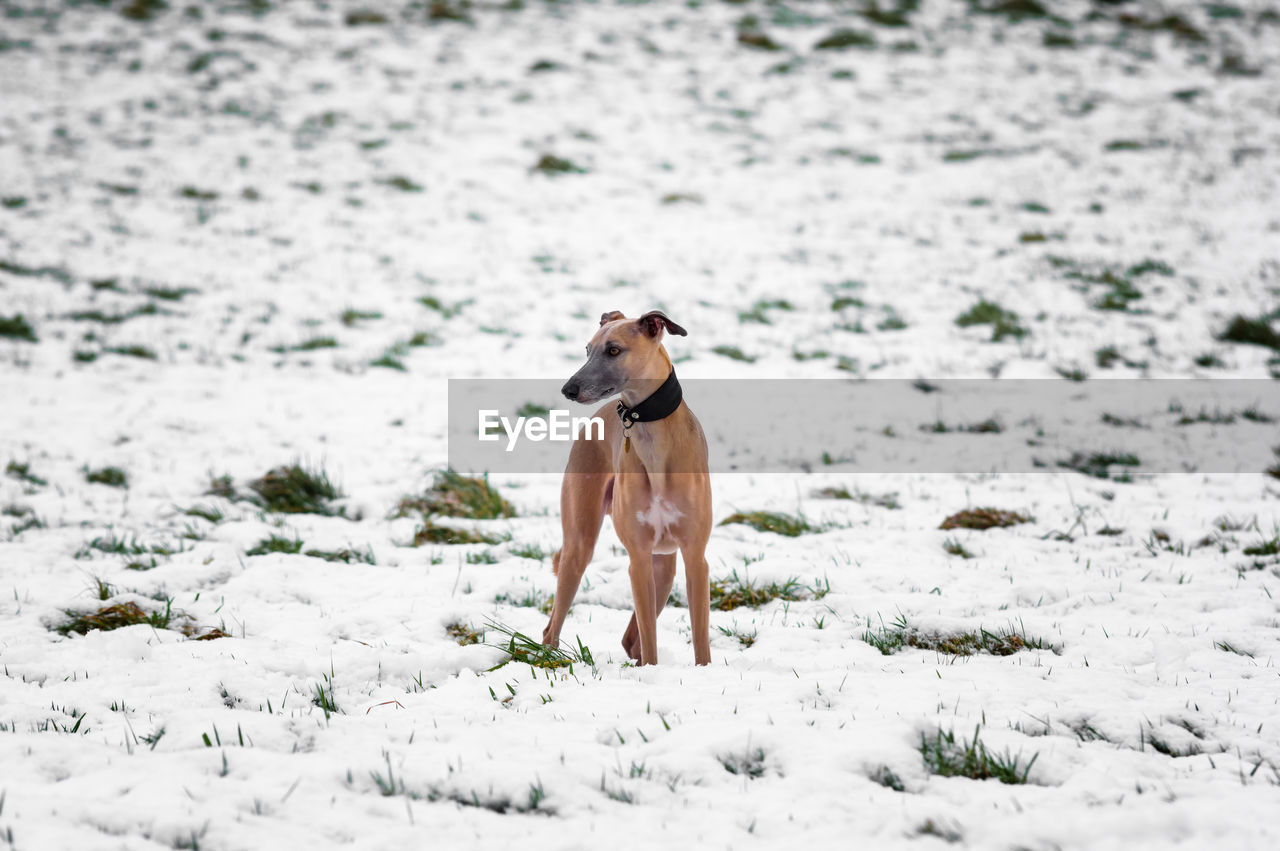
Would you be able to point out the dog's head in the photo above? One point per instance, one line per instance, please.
(623, 351)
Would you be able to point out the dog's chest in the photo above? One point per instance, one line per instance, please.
(660, 516)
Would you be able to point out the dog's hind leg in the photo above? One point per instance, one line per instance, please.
(664, 576)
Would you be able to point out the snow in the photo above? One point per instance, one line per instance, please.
(290, 129)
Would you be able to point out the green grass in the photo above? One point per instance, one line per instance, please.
(759, 311)
(430, 533)
(734, 592)
(206, 512)
(552, 166)
(17, 328)
(843, 39)
(454, 495)
(110, 476)
(746, 639)
(1098, 464)
(952, 546)
(521, 648)
(423, 338)
(984, 518)
(351, 316)
(102, 318)
(1266, 548)
(346, 555)
(22, 472)
(1001, 642)
(885, 500)
(532, 599)
(133, 351)
(113, 545)
(400, 182)
(464, 634)
(275, 544)
(1004, 323)
(170, 293)
(533, 551)
(122, 615)
(1120, 296)
(59, 275)
(946, 757)
(195, 194)
(446, 311)
(734, 353)
(389, 361)
(792, 526)
(1251, 332)
(749, 764)
(293, 489)
(894, 13)
(314, 344)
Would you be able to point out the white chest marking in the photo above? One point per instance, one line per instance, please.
(660, 516)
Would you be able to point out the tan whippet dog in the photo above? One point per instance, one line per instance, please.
(650, 474)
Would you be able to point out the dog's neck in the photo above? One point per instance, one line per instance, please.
(660, 403)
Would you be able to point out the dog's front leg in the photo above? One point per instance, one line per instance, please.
(646, 612)
(697, 575)
(664, 576)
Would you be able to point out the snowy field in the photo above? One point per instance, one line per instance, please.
(241, 236)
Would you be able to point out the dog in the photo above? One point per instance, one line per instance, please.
(650, 473)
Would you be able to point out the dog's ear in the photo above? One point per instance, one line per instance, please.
(606, 318)
(655, 320)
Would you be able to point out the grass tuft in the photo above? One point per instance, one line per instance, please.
(843, 39)
(275, 544)
(351, 316)
(455, 495)
(551, 165)
(946, 757)
(789, 525)
(749, 764)
(1098, 464)
(734, 353)
(1001, 642)
(206, 512)
(346, 555)
(1252, 332)
(430, 533)
(122, 615)
(110, 476)
(746, 639)
(464, 634)
(888, 778)
(532, 599)
(22, 472)
(293, 489)
(17, 328)
(1004, 323)
(984, 518)
(521, 648)
(736, 591)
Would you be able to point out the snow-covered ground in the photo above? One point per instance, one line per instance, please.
(195, 199)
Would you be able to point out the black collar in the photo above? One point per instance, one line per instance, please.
(659, 405)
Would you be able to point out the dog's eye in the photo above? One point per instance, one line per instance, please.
(614, 351)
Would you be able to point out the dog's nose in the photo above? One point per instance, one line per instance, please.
(570, 391)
